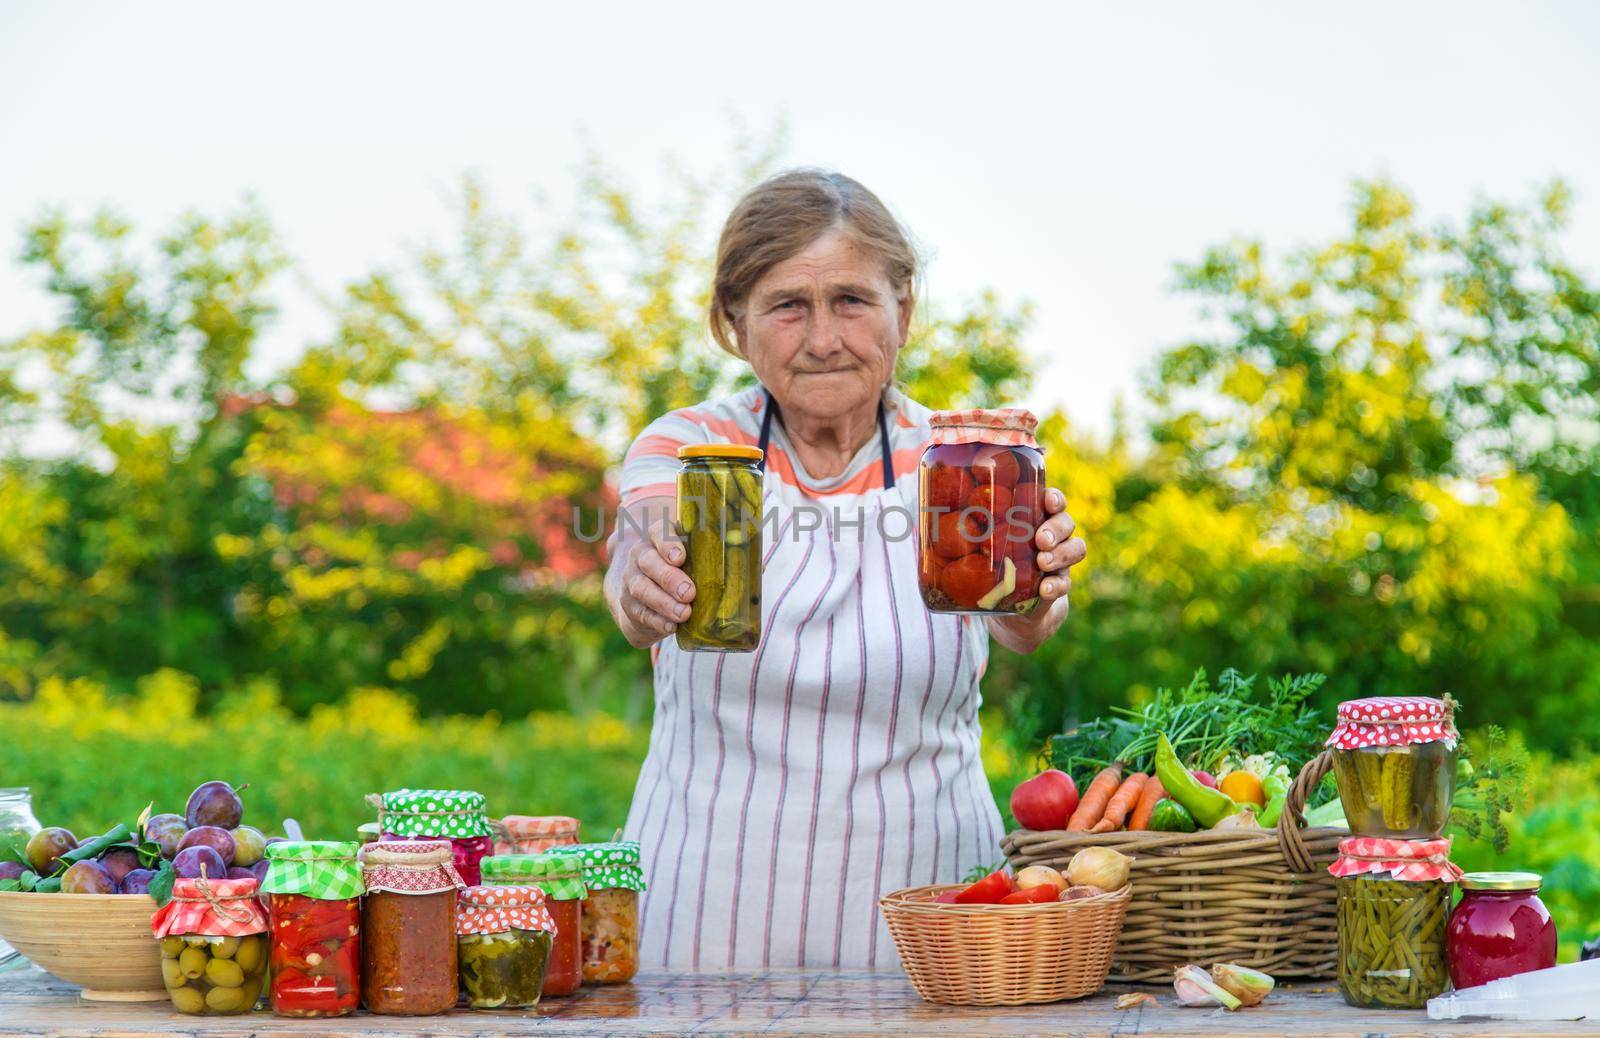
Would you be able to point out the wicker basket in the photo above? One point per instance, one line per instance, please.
(1004, 955)
(1260, 898)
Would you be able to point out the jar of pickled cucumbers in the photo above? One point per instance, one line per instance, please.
(559, 873)
(213, 941)
(503, 940)
(1394, 758)
(1394, 906)
(982, 500)
(719, 515)
(615, 880)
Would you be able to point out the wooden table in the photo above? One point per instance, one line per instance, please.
(776, 1002)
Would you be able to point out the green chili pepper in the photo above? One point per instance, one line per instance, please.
(1208, 806)
(1276, 787)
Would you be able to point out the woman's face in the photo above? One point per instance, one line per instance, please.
(822, 329)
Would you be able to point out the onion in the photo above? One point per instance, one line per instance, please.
(1099, 867)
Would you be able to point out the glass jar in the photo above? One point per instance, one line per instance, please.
(314, 889)
(1394, 902)
(1394, 759)
(213, 946)
(17, 825)
(503, 942)
(457, 815)
(1500, 928)
(530, 834)
(408, 926)
(982, 501)
(613, 876)
(559, 873)
(720, 493)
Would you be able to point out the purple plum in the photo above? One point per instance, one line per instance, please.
(259, 871)
(214, 803)
(46, 847)
(166, 831)
(190, 860)
(235, 872)
(249, 844)
(137, 882)
(87, 877)
(218, 839)
(119, 861)
(11, 870)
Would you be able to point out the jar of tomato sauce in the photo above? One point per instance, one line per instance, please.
(314, 889)
(408, 927)
(530, 834)
(982, 500)
(1499, 928)
(458, 815)
(559, 873)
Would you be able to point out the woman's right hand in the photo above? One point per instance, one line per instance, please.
(648, 594)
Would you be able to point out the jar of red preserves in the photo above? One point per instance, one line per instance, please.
(559, 873)
(458, 815)
(408, 928)
(1499, 928)
(530, 834)
(314, 892)
(982, 500)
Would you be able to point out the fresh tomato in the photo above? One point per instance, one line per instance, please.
(1040, 895)
(987, 891)
(967, 579)
(947, 898)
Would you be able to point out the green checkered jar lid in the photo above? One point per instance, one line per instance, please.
(611, 866)
(559, 873)
(442, 813)
(324, 869)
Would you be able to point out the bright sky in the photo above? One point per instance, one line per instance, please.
(1063, 153)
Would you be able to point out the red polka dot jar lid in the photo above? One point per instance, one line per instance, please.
(1393, 721)
(1012, 426)
(496, 909)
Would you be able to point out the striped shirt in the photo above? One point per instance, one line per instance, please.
(785, 789)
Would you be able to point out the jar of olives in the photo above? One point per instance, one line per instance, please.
(615, 880)
(559, 873)
(719, 514)
(315, 889)
(1394, 904)
(458, 815)
(1394, 758)
(408, 928)
(504, 935)
(982, 500)
(213, 941)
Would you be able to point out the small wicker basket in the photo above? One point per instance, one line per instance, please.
(1259, 898)
(1004, 955)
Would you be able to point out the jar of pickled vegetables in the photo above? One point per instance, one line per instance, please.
(213, 940)
(982, 500)
(719, 514)
(1394, 758)
(1394, 900)
(1499, 929)
(503, 940)
(458, 815)
(559, 873)
(408, 928)
(314, 893)
(615, 879)
(530, 834)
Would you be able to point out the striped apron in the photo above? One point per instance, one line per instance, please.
(785, 789)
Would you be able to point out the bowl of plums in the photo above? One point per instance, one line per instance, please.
(80, 909)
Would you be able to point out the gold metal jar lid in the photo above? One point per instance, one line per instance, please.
(719, 450)
(1504, 881)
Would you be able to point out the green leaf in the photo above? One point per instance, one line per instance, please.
(161, 883)
(14, 847)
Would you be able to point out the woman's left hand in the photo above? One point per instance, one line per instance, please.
(1059, 551)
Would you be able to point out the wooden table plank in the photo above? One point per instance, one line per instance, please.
(776, 1002)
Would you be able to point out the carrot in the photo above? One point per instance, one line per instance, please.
(1092, 806)
(1153, 793)
(1124, 800)
(1104, 825)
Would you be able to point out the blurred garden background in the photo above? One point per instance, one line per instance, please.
(1376, 455)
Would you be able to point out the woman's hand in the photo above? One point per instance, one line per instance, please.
(647, 592)
(1059, 551)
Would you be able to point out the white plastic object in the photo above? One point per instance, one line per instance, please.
(1570, 992)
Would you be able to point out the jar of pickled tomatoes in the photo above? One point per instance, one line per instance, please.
(982, 501)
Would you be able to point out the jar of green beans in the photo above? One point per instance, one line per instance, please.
(1394, 903)
(719, 514)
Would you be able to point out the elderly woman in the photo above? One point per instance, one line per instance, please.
(786, 788)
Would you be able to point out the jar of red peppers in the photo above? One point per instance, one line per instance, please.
(559, 873)
(457, 815)
(503, 940)
(212, 937)
(408, 928)
(982, 501)
(530, 834)
(314, 889)
(1499, 928)
(612, 873)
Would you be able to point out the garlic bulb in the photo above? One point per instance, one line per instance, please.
(1194, 987)
(1247, 985)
